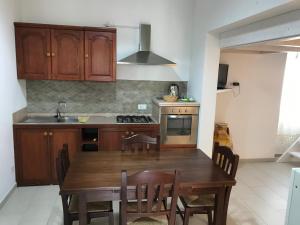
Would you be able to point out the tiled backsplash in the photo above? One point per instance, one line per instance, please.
(122, 96)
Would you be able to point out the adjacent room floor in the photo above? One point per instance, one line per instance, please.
(260, 198)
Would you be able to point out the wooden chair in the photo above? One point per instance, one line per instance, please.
(144, 197)
(140, 142)
(65, 158)
(71, 202)
(205, 203)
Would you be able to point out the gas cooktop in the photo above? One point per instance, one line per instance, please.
(134, 119)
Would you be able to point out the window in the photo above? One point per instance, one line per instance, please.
(289, 119)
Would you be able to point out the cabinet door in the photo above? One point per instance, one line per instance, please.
(67, 54)
(111, 140)
(100, 56)
(33, 53)
(32, 157)
(59, 137)
(152, 132)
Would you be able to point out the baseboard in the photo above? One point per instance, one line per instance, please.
(4, 200)
(259, 160)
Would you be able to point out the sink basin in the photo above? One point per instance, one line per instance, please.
(67, 119)
(51, 119)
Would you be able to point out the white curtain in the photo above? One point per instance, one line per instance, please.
(289, 119)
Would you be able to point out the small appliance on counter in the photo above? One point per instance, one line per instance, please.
(173, 93)
(174, 90)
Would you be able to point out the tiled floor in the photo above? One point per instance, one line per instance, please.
(259, 198)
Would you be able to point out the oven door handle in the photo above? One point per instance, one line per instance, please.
(179, 117)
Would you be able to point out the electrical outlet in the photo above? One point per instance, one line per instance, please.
(142, 106)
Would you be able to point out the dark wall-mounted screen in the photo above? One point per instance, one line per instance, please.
(223, 74)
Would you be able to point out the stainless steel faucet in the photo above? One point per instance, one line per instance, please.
(61, 108)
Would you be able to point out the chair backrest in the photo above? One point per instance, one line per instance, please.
(140, 142)
(62, 166)
(150, 189)
(228, 161)
(65, 157)
(225, 159)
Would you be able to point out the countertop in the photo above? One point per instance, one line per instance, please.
(93, 120)
(161, 102)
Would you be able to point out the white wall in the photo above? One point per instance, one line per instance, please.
(253, 114)
(211, 17)
(13, 97)
(170, 20)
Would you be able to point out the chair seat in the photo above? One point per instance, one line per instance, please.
(91, 206)
(198, 200)
(133, 206)
(155, 220)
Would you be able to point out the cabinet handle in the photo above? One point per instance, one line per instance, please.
(86, 55)
(45, 133)
(50, 134)
(48, 54)
(53, 54)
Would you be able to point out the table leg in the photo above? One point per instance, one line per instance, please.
(82, 210)
(219, 210)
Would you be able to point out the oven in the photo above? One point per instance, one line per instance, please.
(179, 125)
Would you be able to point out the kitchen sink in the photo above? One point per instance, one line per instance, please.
(51, 119)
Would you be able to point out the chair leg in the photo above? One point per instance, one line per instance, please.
(111, 218)
(89, 219)
(209, 217)
(180, 212)
(120, 214)
(67, 220)
(186, 217)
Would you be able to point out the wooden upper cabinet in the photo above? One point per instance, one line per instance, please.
(33, 53)
(100, 56)
(59, 52)
(67, 54)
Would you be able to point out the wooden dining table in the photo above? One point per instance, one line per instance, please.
(96, 176)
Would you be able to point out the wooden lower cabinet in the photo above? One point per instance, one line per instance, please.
(36, 150)
(37, 146)
(32, 157)
(111, 138)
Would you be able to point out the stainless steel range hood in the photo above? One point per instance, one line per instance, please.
(144, 56)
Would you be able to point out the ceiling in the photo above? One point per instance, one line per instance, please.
(275, 46)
